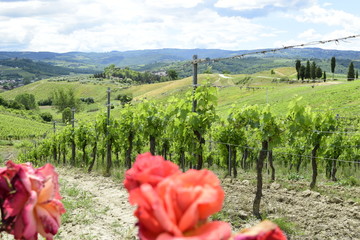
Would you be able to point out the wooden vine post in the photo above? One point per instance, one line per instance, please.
(108, 141)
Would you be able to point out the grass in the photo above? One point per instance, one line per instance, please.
(332, 94)
(287, 226)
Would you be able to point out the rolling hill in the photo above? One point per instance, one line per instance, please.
(97, 61)
(233, 90)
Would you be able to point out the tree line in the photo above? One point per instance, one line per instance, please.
(311, 71)
(126, 75)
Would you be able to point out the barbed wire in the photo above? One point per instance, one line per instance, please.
(293, 154)
(336, 40)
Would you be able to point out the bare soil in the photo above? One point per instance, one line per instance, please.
(312, 215)
(105, 213)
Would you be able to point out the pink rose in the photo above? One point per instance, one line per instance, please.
(149, 169)
(179, 206)
(31, 200)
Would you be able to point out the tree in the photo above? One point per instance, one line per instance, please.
(172, 74)
(46, 116)
(308, 70)
(66, 115)
(302, 72)
(319, 72)
(208, 70)
(298, 66)
(351, 72)
(333, 65)
(27, 99)
(313, 70)
(65, 99)
(124, 98)
(324, 76)
(357, 74)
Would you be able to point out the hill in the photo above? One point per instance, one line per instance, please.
(97, 61)
(19, 71)
(233, 90)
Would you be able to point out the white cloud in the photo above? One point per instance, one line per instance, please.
(110, 25)
(106, 25)
(173, 3)
(331, 17)
(327, 4)
(242, 5)
(310, 35)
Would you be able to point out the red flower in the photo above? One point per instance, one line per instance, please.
(149, 169)
(30, 200)
(178, 208)
(265, 230)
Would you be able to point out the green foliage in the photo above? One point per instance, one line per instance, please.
(15, 105)
(126, 74)
(351, 72)
(65, 99)
(208, 70)
(66, 115)
(172, 74)
(26, 99)
(285, 225)
(124, 98)
(13, 127)
(350, 181)
(87, 100)
(45, 102)
(46, 116)
(308, 70)
(297, 67)
(333, 64)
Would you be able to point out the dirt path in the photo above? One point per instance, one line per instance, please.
(97, 207)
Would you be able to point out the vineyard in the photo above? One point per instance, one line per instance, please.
(266, 131)
(17, 128)
(195, 139)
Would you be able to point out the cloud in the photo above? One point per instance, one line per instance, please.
(309, 35)
(330, 17)
(245, 5)
(109, 25)
(173, 3)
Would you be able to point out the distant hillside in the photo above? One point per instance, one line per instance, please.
(17, 71)
(97, 61)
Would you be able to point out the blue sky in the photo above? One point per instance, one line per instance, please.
(107, 25)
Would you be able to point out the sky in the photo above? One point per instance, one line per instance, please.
(121, 25)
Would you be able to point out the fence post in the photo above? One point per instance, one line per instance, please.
(73, 137)
(108, 142)
(195, 70)
(54, 126)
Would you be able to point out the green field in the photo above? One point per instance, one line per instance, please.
(233, 90)
(13, 127)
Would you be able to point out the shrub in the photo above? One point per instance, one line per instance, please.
(46, 116)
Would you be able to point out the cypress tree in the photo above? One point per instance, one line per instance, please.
(298, 66)
(333, 65)
(313, 70)
(351, 72)
(307, 70)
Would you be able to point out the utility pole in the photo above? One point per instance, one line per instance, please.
(108, 147)
(73, 152)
